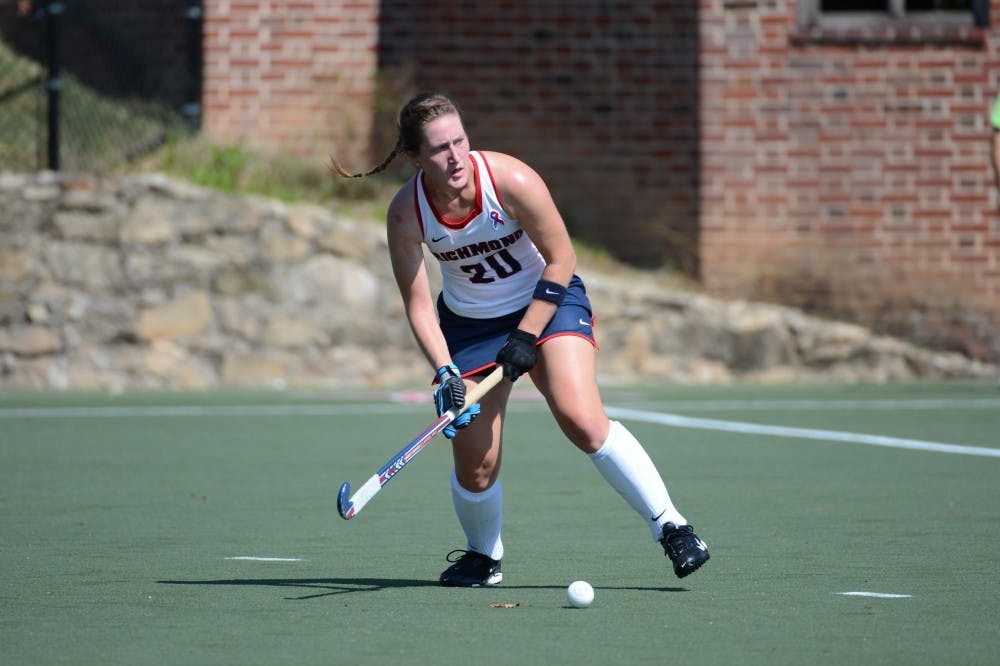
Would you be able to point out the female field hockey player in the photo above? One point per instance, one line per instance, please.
(509, 297)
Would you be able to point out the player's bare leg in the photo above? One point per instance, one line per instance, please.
(476, 449)
(566, 375)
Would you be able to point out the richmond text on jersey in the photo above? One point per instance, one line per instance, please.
(489, 266)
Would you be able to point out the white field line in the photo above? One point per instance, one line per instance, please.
(877, 595)
(661, 418)
(822, 405)
(402, 403)
(265, 559)
(678, 421)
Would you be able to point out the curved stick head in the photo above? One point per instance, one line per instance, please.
(344, 506)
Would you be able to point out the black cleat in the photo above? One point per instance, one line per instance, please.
(684, 548)
(471, 569)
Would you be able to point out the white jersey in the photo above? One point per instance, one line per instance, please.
(489, 266)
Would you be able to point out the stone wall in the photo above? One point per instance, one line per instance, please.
(145, 281)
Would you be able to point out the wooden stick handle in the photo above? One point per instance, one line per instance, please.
(477, 393)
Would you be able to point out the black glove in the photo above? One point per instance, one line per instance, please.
(518, 355)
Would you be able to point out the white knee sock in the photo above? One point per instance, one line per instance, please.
(623, 462)
(481, 517)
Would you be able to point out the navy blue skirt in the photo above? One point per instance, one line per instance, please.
(474, 343)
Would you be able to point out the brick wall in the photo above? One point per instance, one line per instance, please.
(849, 173)
(292, 74)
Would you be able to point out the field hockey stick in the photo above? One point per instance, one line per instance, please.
(348, 508)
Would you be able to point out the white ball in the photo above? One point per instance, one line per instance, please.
(580, 594)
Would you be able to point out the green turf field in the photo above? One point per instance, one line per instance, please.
(122, 516)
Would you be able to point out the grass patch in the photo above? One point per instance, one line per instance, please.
(238, 168)
(242, 169)
(21, 128)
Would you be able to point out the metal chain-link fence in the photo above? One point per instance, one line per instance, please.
(22, 112)
(91, 85)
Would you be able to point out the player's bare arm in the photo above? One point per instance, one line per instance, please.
(527, 198)
(410, 271)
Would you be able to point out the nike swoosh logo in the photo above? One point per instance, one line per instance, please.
(435, 240)
(587, 323)
(550, 292)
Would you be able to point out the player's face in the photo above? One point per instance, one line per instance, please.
(444, 155)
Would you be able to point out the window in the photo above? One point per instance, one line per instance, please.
(847, 14)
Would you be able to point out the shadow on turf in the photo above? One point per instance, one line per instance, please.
(345, 585)
(333, 585)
